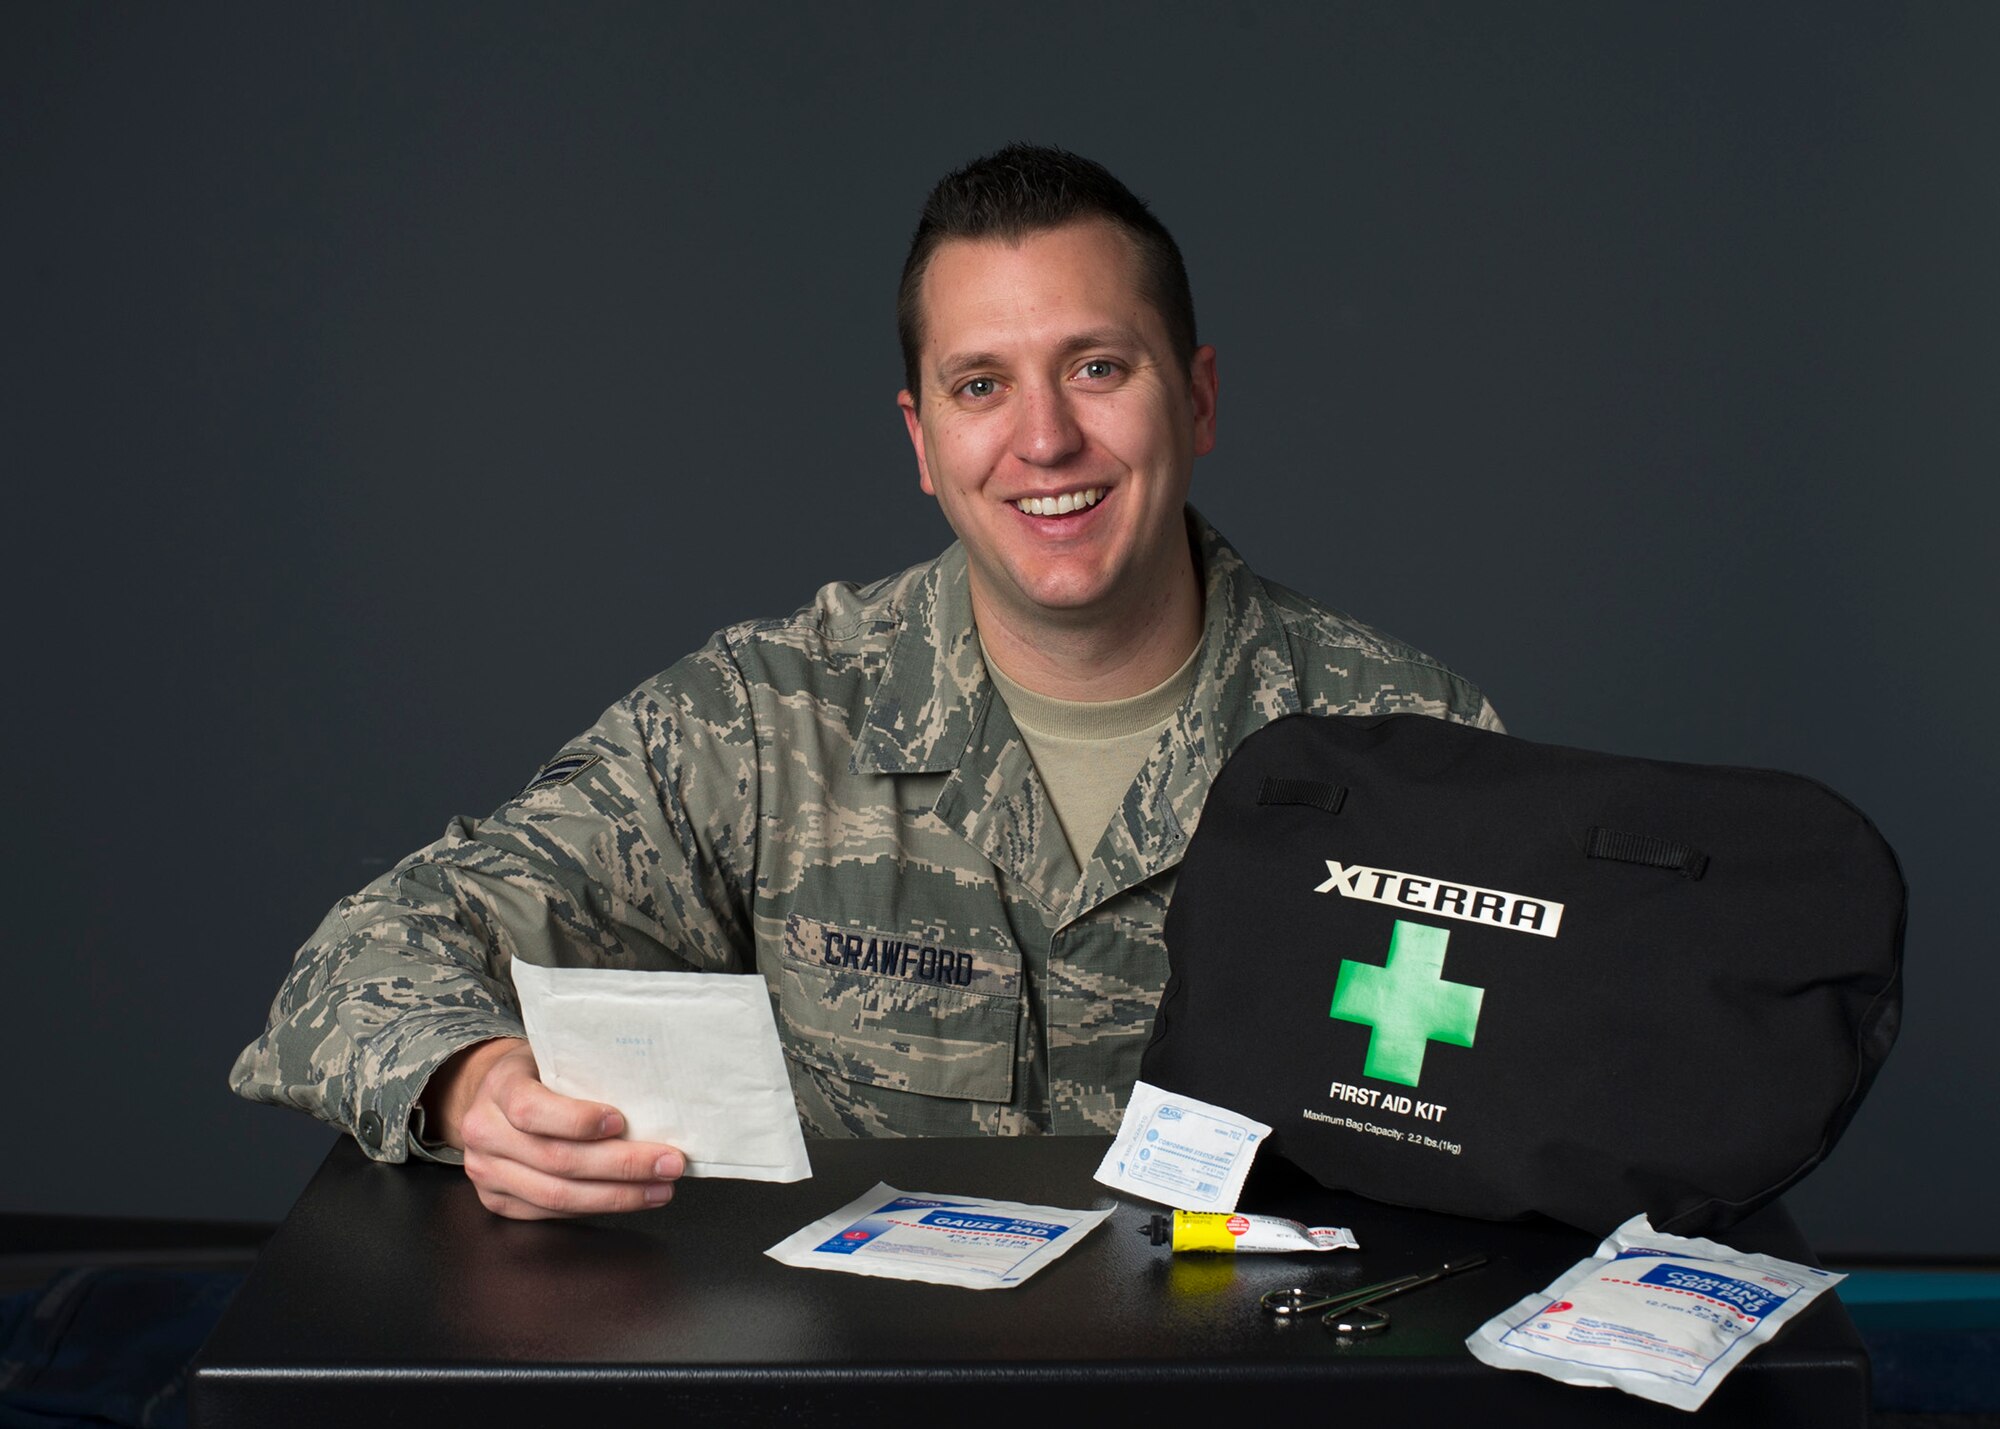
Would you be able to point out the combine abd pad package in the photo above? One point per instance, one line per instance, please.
(1465, 972)
(1658, 1316)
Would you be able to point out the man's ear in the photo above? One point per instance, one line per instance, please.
(915, 426)
(1202, 385)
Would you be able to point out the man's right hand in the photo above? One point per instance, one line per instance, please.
(533, 1153)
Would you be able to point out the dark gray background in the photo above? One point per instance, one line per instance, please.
(388, 389)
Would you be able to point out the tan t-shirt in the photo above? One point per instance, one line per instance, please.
(1089, 751)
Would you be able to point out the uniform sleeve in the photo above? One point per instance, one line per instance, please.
(1486, 716)
(634, 847)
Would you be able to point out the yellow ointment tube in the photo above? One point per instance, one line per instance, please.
(1237, 1233)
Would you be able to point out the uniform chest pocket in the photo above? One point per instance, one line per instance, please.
(901, 1011)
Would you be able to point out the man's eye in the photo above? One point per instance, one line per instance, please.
(1098, 368)
(980, 388)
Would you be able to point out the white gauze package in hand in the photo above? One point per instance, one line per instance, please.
(1664, 1317)
(690, 1059)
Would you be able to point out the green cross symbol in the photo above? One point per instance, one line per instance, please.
(1407, 1003)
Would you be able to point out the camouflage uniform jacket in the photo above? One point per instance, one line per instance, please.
(839, 801)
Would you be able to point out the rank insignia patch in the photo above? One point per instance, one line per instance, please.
(560, 770)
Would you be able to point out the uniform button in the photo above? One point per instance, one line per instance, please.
(370, 1128)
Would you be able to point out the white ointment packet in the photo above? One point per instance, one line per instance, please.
(690, 1059)
(1184, 1153)
(946, 1240)
(1664, 1317)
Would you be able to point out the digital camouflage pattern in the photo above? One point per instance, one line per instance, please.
(839, 801)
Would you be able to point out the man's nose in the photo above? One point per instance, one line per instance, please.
(1045, 427)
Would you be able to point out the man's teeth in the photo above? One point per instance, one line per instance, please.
(1060, 505)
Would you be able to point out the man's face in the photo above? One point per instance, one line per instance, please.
(1057, 428)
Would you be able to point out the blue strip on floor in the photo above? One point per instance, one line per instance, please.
(1933, 1337)
(1903, 1287)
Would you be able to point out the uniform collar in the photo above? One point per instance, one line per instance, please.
(935, 711)
(934, 690)
(1246, 677)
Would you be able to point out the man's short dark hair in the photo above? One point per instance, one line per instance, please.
(1028, 188)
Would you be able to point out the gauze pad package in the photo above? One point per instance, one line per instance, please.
(946, 1240)
(691, 1059)
(1184, 1153)
(1659, 1316)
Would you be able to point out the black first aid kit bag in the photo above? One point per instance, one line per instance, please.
(1465, 972)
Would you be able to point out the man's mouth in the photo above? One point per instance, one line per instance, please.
(1062, 505)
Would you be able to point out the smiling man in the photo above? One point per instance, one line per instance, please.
(940, 814)
(1056, 419)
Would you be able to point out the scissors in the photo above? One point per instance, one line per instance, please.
(1350, 1312)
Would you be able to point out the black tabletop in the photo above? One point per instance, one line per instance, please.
(390, 1295)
